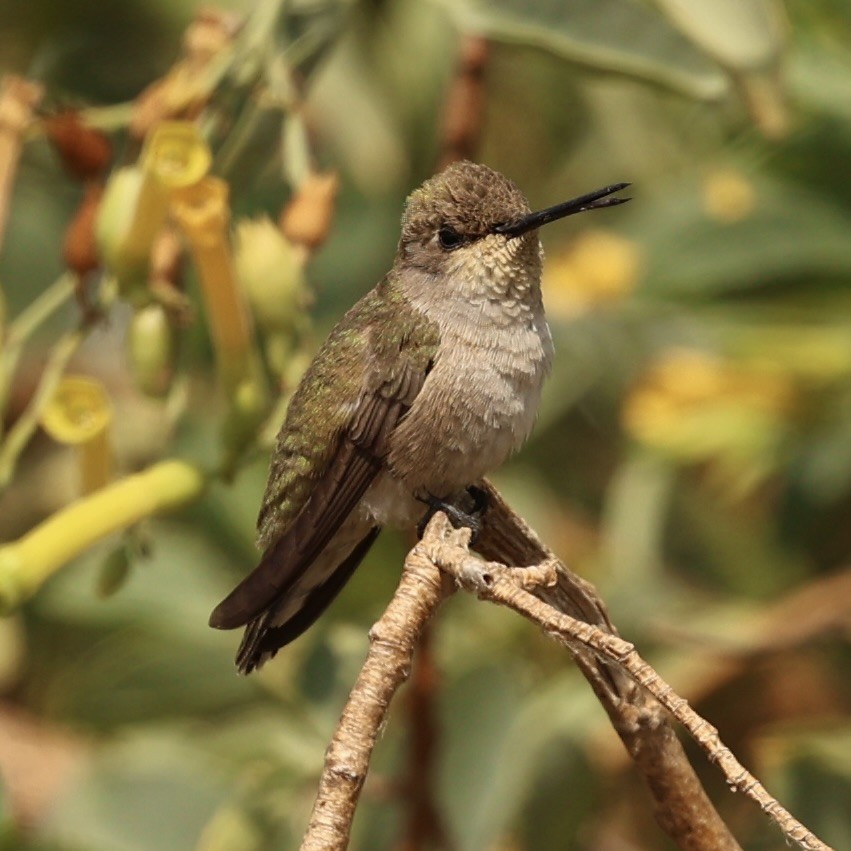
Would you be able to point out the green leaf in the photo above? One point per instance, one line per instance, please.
(144, 653)
(497, 739)
(606, 35)
(482, 706)
(636, 512)
(810, 770)
(740, 34)
(789, 235)
(747, 37)
(149, 791)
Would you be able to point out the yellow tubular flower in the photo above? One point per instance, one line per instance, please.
(136, 201)
(203, 214)
(177, 155)
(80, 414)
(270, 271)
(174, 156)
(148, 217)
(113, 222)
(25, 564)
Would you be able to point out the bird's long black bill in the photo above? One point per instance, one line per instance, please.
(591, 201)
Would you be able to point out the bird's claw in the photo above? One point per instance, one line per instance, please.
(458, 517)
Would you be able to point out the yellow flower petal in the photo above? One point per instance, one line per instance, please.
(600, 268)
(80, 414)
(80, 410)
(177, 154)
(728, 196)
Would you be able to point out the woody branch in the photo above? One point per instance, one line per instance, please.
(546, 592)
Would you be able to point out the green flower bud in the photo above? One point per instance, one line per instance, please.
(297, 365)
(246, 412)
(113, 572)
(151, 345)
(277, 349)
(270, 271)
(135, 203)
(113, 224)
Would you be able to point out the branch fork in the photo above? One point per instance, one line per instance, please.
(568, 609)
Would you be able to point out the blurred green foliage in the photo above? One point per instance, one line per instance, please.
(693, 454)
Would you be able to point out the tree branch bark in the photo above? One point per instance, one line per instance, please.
(545, 591)
(388, 663)
(681, 806)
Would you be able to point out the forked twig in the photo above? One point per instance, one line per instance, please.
(544, 591)
(504, 586)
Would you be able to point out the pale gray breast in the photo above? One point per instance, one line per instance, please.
(480, 400)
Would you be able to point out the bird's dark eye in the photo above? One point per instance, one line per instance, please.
(449, 238)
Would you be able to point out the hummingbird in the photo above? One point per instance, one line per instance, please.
(430, 382)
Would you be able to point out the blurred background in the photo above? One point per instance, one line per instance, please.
(692, 456)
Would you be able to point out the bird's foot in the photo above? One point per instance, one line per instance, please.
(480, 501)
(469, 518)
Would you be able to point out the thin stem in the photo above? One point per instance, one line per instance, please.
(203, 213)
(41, 308)
(109, 118)
(36, 313)
(24, 427)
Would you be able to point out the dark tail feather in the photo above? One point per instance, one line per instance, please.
(261, 641)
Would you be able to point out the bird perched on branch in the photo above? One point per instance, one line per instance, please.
(427, 384)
